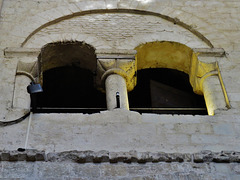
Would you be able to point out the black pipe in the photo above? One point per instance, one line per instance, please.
(7, 123)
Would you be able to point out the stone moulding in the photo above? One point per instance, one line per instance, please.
(103, 156)
(175, 21)
(16, 51)
(211, 52)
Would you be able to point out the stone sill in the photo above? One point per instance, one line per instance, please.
(115, 157)
(16, 51)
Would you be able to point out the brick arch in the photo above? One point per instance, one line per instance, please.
(58, 19)
(42, 41)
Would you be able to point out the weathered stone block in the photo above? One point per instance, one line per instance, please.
(221, 158)
(113, 158)
(81, 157)
(31, 155)
(101, 156)
(40, 156)
(234, 157)
(5, 155)
(204, 156)
(124, 157)
(22, 156)
(143, 157)
(89, 156)
(13, 156)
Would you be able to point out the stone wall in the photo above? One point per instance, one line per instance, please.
(115, 29)
(127, 131)
(26, 26)
(120, 171)
(132, 165)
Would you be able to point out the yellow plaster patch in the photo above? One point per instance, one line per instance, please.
(173, 55)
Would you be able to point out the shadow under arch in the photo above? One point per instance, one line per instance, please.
(130, 11)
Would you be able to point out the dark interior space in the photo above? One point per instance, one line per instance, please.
(70, 89)
(165, 88)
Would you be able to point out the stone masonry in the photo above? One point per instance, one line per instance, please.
(118, 144)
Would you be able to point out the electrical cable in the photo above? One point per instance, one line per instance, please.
(7, 123)
(32, 89)
(28, 130)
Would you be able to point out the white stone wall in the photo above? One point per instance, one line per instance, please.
(217, 21)
(208, 17)
(168, 171)
(124, 25)
(121, 130)
(115, 30)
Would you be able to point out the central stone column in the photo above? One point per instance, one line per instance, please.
(116, 92)
(116, 75)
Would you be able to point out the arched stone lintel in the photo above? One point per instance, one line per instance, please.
(59, 54)
(130, 11)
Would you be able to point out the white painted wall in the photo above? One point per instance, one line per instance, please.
(216, 20)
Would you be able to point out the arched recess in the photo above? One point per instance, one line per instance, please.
(203, 77)
(125, 38)
(67, 71)
(69, 53)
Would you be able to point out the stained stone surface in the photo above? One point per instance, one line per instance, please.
(163, 170)
(119, 144)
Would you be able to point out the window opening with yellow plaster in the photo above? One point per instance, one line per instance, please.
(204, 78)
(165, 91)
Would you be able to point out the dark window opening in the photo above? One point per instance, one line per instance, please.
(165, 91)
(70, 89)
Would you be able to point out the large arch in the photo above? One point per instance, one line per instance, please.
(173, 55)
(68, 75)
(203, 77)
(81, 36)
(70, 53)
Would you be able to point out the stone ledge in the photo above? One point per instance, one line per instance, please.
(211, 52)
(115, 53)
(16, 52)
(110, 53)
(115, 157)
(23, 155)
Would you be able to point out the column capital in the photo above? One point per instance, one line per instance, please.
(121, 62)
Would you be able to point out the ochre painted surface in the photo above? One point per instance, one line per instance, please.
(174, 55)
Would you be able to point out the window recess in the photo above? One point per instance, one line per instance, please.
(165, 91)
(70, 89)
(67, 72)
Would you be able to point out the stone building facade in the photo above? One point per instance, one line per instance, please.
(114, 40)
